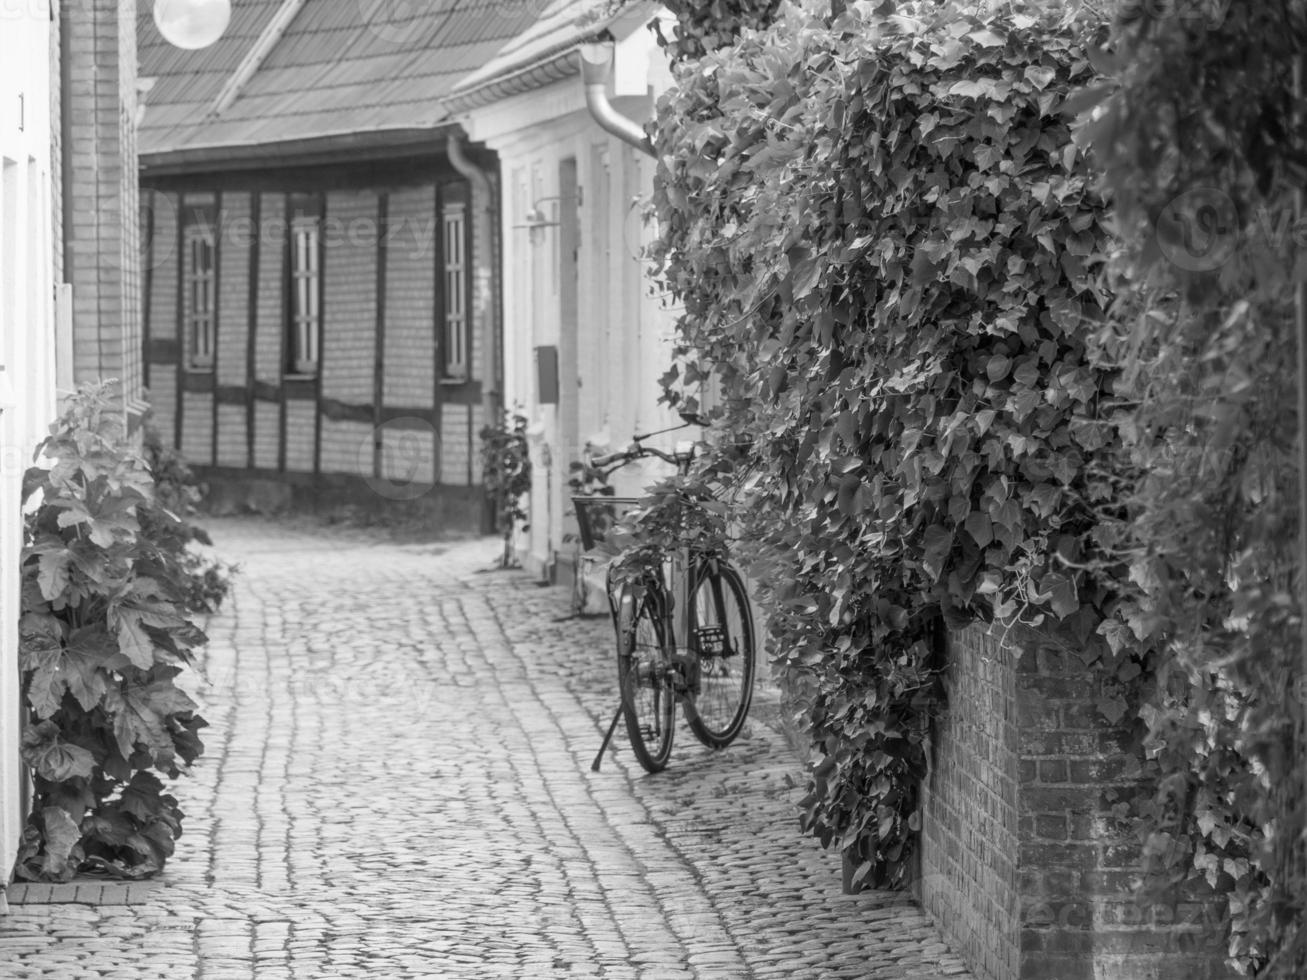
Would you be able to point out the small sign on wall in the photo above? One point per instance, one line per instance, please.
(547, 374)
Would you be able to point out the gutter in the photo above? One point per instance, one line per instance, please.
(483, 269)
(596, 73)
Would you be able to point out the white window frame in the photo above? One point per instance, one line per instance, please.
(305, 306)
(455, 353)
(199, 293)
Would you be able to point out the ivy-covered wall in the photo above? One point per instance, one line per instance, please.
(957, 384)
(888, 250)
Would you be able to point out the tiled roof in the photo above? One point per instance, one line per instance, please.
(341, 67)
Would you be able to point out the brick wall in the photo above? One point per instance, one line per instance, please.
(300, 422)
(197, 427)
(968, 861)
(347, 447)
(271, 314)
(235, 240)
(233, 450)
(409, 369)
(267, 435)
(350, 296)
(1020, 861)
(408, 456)
(103, 205)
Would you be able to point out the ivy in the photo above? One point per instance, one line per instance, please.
(104, 636)
(890, 253)
(1194, 129)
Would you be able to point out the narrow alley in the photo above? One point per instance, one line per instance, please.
(397, 784)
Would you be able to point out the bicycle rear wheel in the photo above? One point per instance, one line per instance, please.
(645, 678)
(721, 641)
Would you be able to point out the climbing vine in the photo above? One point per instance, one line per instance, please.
(890, 254)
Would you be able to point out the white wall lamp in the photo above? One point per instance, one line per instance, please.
(192, 24)
(536, 220)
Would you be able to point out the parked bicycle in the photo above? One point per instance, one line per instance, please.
(684, 631)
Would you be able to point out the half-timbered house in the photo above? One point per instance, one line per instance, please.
(320, 304)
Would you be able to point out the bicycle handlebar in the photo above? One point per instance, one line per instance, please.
(636, 450)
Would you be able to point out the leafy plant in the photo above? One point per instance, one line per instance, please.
(506, 474)
(206, 581)
(103, 638)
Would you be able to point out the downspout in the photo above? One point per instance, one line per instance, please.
(483, 295)
(596, 72)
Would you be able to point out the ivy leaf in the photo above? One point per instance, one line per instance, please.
(987, 38)
(1061, 594)
(1113, 709)
(980, 527)
(936, 544)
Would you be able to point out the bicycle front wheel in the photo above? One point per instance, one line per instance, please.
(721, 642)
(645, 676)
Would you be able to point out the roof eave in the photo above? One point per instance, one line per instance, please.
(339, 147)
(550, 68)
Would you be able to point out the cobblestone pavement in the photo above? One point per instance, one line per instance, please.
(397, 784)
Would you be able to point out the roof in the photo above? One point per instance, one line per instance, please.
(546, 49)
(341, 68)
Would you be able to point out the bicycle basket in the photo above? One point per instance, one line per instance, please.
(597, 515)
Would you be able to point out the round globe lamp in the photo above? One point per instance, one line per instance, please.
(191, 24)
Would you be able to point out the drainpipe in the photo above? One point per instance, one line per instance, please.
(596, 72)
(483, 286)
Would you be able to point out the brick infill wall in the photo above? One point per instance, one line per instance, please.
(1020, 863)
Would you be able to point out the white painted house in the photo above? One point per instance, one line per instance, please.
(585, 340)
(28, 243)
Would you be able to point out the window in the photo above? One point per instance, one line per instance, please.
(199, 300)
(455, 335)
(305, 293)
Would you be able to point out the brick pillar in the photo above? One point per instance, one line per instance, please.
(102, 233)
(1020, 862)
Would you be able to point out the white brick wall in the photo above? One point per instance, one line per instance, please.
(408, 455)
(349, 296)
(232, 449)
(163, 399)
(347, 447)
(410, 302)
(197, 427)
(271, 308)
(454, 446)
(163, 282)
(299, 435)
(234, 289)
(267, 421)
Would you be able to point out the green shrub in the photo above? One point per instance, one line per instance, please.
(104, 636)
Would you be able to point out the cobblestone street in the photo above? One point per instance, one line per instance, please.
(397, 784)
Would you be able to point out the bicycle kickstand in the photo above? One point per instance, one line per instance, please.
(594, 766)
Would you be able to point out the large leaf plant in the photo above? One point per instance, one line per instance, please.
(104, 635)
